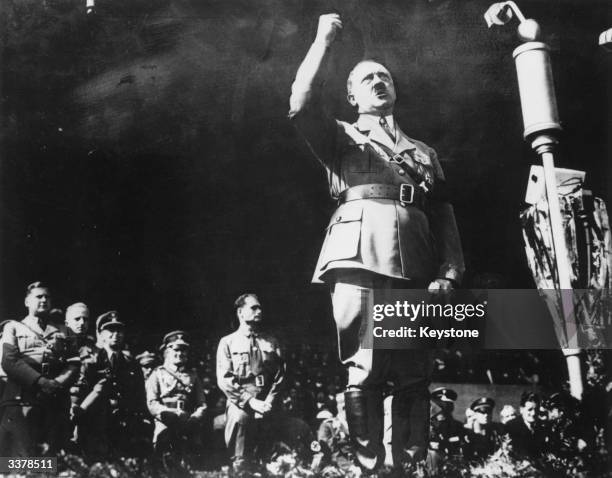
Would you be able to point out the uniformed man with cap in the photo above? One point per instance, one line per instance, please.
(175, 398)
(447, 435)
(393, 229)
(250, 371)
(39, 371)
(483, 435)
(147, 361)
(113, 413)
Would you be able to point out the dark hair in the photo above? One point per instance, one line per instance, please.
(240, 301)
(529, 397)
(35, 285)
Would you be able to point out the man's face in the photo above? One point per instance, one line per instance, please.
(78, 321)
(507, 414)
(38, 301)
(483, 416)
(176, 356)
(528, 412)
(112, 337)
(372, 89)
(250, 312)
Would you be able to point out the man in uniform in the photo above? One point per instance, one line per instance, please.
(392, 230)
(147, 361)
(175, 398)
(39, 373)
(112, 412)
(483, 436)
(250, 371)
(447, 435)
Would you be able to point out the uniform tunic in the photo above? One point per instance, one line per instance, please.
(380, 235)
(377, 243)
(243, 374)
(168, 391)
(31, 417)
(113, 423)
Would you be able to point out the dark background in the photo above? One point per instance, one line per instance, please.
(148, 164)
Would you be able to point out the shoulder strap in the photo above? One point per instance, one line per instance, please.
(383, 151)
(38, 334)
(175, 376)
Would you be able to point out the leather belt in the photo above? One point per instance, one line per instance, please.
(252, 380)
(406, 194)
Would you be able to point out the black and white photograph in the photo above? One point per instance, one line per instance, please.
(306, 238)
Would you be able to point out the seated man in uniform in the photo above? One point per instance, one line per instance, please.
(40, 372)
(250, 371)
(113, 418)
(447, 435)
(175, 398)
(483, 436)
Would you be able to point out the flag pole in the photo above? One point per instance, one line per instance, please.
(541, 128)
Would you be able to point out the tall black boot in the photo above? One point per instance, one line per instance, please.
(364, 415)
(410, 426)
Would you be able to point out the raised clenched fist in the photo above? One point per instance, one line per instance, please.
(329, 26)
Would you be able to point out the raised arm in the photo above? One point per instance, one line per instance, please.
(309, 71)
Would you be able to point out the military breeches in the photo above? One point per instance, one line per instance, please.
(368, 368)
(247, 436)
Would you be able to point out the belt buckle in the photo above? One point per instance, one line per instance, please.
(180, 404)
(406, 195)
(259, 380)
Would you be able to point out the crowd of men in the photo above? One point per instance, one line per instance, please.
(63, 389)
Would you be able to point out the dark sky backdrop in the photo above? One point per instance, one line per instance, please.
(148, 165)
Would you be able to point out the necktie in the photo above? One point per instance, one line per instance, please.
(255, 356)
(385, 126)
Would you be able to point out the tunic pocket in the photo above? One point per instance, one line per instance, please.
(343, 234)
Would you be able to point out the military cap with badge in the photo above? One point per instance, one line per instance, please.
(174, 340)
(483, 405)
(108, 320)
